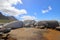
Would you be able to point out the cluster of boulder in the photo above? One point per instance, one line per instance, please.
(6, 28)
(28, 23)
(32, 23)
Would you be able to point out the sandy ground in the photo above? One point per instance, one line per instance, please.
(34, 34)
(52, 34)
(27, 34)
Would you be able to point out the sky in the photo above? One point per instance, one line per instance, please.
(31, 9)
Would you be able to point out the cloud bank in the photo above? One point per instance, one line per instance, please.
(27, 17)
(7, 8)
(47, 10)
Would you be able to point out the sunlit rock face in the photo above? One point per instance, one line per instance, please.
(29, 23)
(14, 24)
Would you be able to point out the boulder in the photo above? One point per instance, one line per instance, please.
(14, 25)
(48, 24)
(29, 23)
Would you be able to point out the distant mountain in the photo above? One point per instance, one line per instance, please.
(12, 18)
(6, 18)
(2, 16)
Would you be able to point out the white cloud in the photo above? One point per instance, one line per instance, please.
(6, 7)
(15, 1)
(47, 10)
(28, 17)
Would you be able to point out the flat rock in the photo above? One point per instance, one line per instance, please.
(27, 34)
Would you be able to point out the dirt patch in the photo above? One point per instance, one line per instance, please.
(52, 34)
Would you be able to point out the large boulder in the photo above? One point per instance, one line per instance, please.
(47, 24)
(53, 24)
(29, 23)
(41, 24)
(14, 25)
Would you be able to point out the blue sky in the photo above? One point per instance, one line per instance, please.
(39, 9)
(36, 6)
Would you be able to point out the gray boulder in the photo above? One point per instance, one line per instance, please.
(41, 24)
(52, 24)
(29, 23)
(47, 24)
(14, 25)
